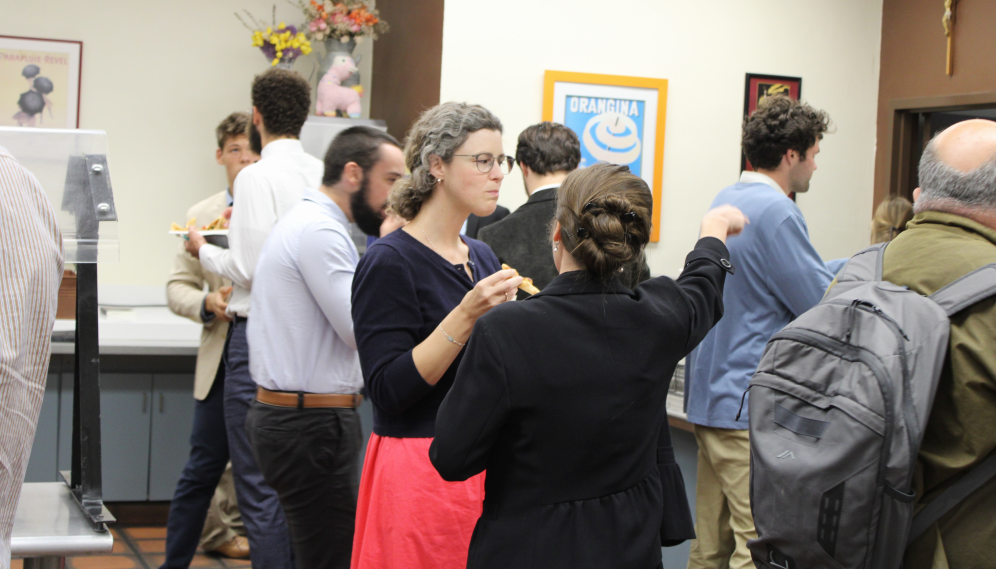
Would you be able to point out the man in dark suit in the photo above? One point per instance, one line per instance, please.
(476, 223)
(546, 153)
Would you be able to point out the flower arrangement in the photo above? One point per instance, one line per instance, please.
(281, 45)
(349, 19)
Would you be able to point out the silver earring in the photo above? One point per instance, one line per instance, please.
(555, 248)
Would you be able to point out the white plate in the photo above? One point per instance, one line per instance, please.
(204, 233)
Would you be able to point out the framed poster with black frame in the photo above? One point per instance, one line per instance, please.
(40, 82)
(760, 85)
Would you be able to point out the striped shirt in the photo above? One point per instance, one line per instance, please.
(31, 263)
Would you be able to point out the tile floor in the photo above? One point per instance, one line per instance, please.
(142, 547)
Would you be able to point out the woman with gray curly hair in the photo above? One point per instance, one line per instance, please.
(416, 295)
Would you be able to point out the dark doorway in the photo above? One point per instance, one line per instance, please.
(913, 129)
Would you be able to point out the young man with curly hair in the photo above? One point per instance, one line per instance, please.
(779, 276)
(266, 191)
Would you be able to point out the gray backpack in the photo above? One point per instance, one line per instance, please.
(838, 407)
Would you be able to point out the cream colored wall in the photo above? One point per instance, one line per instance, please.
(496, 57)
(158, 77)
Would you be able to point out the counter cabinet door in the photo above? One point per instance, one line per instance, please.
(172, 421)
(125, 411)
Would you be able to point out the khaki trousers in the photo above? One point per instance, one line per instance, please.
(723, 522)
(223, 521)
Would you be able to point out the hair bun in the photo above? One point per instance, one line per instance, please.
(605, 217)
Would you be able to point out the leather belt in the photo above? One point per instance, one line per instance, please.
(302, 400)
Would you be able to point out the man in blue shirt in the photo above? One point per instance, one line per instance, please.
(779, 276)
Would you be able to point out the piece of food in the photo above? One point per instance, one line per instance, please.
(191, 223)
(527, 283)
(217, 224)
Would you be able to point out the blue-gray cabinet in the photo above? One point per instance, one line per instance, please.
(147, 408)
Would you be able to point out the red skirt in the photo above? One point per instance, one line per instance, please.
(407, 517)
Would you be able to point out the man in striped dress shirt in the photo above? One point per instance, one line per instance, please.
(31, 261)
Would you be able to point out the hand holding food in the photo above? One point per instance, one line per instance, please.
(527, 283)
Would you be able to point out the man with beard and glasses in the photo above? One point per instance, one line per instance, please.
(266, 191)
(779, 276)
(304, 425)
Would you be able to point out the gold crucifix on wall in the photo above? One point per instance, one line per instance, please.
(948, 21)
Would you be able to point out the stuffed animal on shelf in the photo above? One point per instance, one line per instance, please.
(332, 96)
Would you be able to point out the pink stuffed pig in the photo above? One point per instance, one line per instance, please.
(332, 96)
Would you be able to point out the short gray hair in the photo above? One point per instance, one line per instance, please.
(439, 131)
(943, 187)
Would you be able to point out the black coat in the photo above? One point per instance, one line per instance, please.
(476, 223)
(561, 398)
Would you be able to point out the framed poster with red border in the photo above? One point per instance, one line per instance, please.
(40, 82)
(760, 85)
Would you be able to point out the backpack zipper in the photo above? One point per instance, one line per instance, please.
(912, 427)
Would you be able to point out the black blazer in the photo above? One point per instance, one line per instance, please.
(561, 398)
(475, 223)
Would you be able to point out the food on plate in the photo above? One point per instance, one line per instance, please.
(527, 285)
(216, 225)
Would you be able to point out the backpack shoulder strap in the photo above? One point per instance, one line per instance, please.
(976, 286)
(865, 266)
(954, 494)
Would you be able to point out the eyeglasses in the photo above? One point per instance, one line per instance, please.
(486, 161)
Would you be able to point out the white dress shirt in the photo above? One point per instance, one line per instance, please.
(301, 330)
(267, 190)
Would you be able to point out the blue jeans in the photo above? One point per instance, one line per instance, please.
(266, 528)
(208, 458)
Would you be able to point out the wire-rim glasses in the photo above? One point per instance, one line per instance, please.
(486, 161)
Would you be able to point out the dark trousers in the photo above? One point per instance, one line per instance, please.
(311, 458)
(208, 458)
(266, 528)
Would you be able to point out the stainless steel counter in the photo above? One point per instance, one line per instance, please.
(49, 523)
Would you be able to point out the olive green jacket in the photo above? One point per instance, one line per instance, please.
(936, 249)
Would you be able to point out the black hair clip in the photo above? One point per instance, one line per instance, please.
(582, 233)
(628, 217)
(588, 207)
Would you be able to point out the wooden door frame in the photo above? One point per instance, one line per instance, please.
(903, 119)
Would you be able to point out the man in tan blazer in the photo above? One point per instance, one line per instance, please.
(205, 494)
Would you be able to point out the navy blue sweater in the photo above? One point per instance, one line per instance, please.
(402, 290)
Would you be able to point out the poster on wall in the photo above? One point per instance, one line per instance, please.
(40, 82)
(758, 87)
(618, 119)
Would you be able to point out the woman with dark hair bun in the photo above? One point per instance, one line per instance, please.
(561, 397)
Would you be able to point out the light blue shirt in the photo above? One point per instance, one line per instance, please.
(778, 276)
(301, 329)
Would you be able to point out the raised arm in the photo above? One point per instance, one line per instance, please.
(399, 367)
(797, 276)
(253, 218)
(701, 282)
